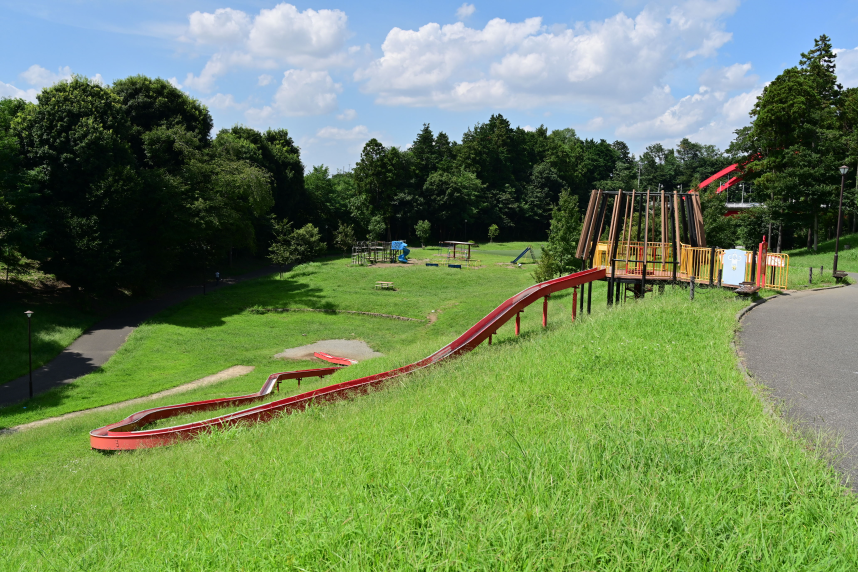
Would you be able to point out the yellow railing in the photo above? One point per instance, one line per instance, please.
(693, 261)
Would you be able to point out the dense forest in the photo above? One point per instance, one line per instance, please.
(120, 186)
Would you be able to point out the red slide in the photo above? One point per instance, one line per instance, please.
(124, 435)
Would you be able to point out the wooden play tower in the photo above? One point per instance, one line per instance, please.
(642, 237)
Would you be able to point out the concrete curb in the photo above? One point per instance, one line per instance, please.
(741, 313)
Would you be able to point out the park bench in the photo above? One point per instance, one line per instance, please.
(384, 285)
(840, 275)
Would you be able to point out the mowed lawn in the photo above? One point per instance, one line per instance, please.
(626, 441)
(210, 333)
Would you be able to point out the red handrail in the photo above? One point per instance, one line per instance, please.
(122, 435)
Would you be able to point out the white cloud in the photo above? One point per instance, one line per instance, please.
(223, 101)
(335, 133)
(9, 90)
(98, 79)
(729, 78)
(301, 93)
(258, 116)
(225, 26)
(528, 64)
(265, 79)
(175, 83)
(312, 39)
(347, 115)
(309, 38)
(218, 65)
(465, 11)
(39, 77)
(847, 67)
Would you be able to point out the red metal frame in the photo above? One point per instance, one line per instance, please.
(123, 435)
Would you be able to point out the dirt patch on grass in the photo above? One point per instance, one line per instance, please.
(229, 373)
(352, 349)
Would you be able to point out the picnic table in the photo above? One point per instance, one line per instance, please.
(383, 285)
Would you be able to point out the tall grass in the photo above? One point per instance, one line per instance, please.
(627, 441)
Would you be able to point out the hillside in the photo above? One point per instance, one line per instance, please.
(628, 440)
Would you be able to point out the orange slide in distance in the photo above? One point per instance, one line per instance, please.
(124, 435)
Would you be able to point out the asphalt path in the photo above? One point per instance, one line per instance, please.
(802, 346)
(92, 349)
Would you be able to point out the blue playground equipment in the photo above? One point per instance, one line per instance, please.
(400, 245)
(525, 251)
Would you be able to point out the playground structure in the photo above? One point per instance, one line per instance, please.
(126, 434)
(455, 248)
(528, 250)
(640, 237)
(402, 248)
(368, 252)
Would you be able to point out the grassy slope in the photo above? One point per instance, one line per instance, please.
(627, 441)
(55, 326)
(801, 259)
(205, 335)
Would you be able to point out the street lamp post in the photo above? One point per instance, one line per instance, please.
(29, 314)
(843, 170)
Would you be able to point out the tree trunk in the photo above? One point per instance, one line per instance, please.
(809, 234)
(780, 235)
(815, 231)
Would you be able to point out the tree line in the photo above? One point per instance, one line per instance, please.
(804, 127)
(120, 186)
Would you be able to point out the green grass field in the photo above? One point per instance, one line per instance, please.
(55, 326)
(626, 441)
(205, 335)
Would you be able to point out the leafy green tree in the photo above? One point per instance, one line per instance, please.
(423, 228)
(797, 141)
(375, 228)
(16, 198)
(274, 151)
(156, 103)
(344, 238)
(546, 267)
(306, 243)
(378, 174)
(75, 143)
(280, 250)
(454, 196)
(493, 232)
(564, 234)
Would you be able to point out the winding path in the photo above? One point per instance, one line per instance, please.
(803, 347)
(92, 349)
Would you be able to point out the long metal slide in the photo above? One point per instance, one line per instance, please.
(124, 435)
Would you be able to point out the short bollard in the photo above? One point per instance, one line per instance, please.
(810, 275)
(691, 288)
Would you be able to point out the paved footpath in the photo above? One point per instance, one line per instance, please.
(803, 346)
(92, 349)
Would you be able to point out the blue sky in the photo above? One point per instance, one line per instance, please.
(337, 73)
